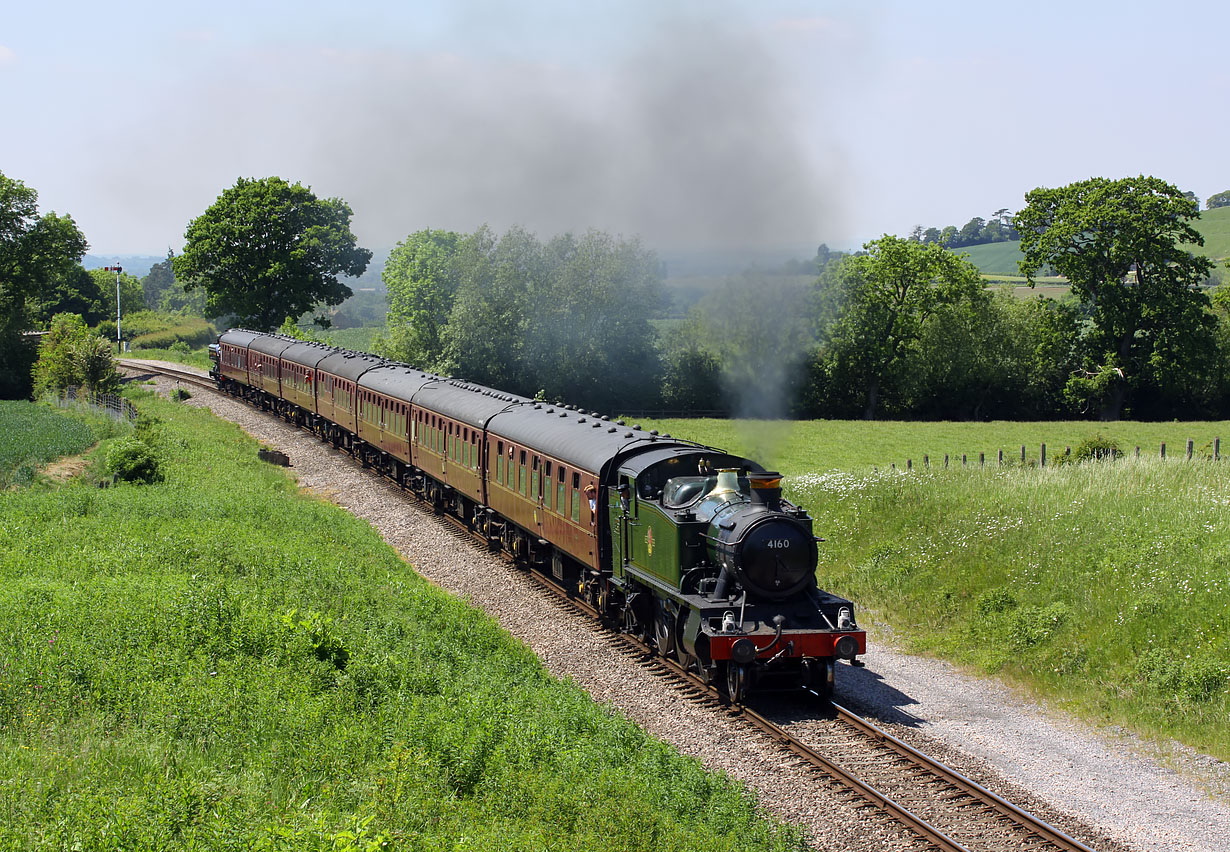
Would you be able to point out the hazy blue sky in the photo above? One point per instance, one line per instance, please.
(767, 122)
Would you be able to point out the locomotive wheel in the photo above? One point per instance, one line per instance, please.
(664, 630)
(737, 680)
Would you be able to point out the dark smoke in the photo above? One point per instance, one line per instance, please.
(687, 134)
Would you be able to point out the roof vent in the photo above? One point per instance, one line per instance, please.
(580, 419)
(612, 429)
(537, 406)
(627, 434)
(636, 426)
(621, 423)
(653, 432)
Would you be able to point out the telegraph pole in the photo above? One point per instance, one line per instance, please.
(119, 340)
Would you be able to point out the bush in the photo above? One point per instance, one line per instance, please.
(1095, 448)
(133, 460)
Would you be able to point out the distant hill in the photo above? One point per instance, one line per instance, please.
(999, 260)
(134, 264)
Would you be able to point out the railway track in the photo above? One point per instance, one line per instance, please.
(942, 808)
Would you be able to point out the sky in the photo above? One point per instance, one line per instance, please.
(693, 124)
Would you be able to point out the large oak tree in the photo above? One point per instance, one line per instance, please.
(268, 249)
(1121, 245)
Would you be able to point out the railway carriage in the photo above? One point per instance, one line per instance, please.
(687, 545)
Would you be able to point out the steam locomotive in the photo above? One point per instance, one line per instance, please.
(683, 544)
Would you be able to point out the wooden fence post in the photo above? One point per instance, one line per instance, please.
(926, 461)
(1042, 457)
(1189, 449)
(1022, 454)
(982, 459)
(1137, 451)
(963, 459)
(945, 459)
(1001, 458)
(1163, 449)
(909, 464)
(1217, 449)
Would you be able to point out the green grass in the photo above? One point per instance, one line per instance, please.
(219, 662)
(358, 339)
(194, 358)
(1101, 586)
(998, 261)
(1214, 226)
(31, 435)
(797, 447)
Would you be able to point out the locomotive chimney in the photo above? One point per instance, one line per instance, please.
(767, 489)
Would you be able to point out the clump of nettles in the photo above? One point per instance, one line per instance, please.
(132, 460)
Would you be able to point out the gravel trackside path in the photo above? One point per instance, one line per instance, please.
(1108, 790)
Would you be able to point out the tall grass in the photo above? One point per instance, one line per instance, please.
(32, 435)
(1101, 585)
(218, 662)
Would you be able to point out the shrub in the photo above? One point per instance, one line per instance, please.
(132, 460)
(1097, 447)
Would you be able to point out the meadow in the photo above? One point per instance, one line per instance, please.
(1100, 586)
(32, 435)
(796, 447)
(218, 661)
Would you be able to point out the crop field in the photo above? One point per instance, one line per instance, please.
(1100, 586)
(219, 662)
(32, 435)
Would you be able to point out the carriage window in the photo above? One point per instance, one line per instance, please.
(548, 487)
(535, 491)
(499, 462)
(559, 490)
(521, 474)
(576, 497)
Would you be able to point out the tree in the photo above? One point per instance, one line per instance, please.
(1221, 199)
(71, 291)
(761, 330)
(160, 280)
(132, 295)
(421, 278)
(570, 318)
(70, 355)
(1119, 244)
(34, 250)
(268, 249)
(886, 296)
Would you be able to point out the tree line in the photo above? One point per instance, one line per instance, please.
(903, 328)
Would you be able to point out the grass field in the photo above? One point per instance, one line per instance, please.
(32, 435)
(219, 662)
(358, 339)
(798, 447)
(1102, 586)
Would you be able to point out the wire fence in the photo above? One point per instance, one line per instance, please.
(114, 406)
